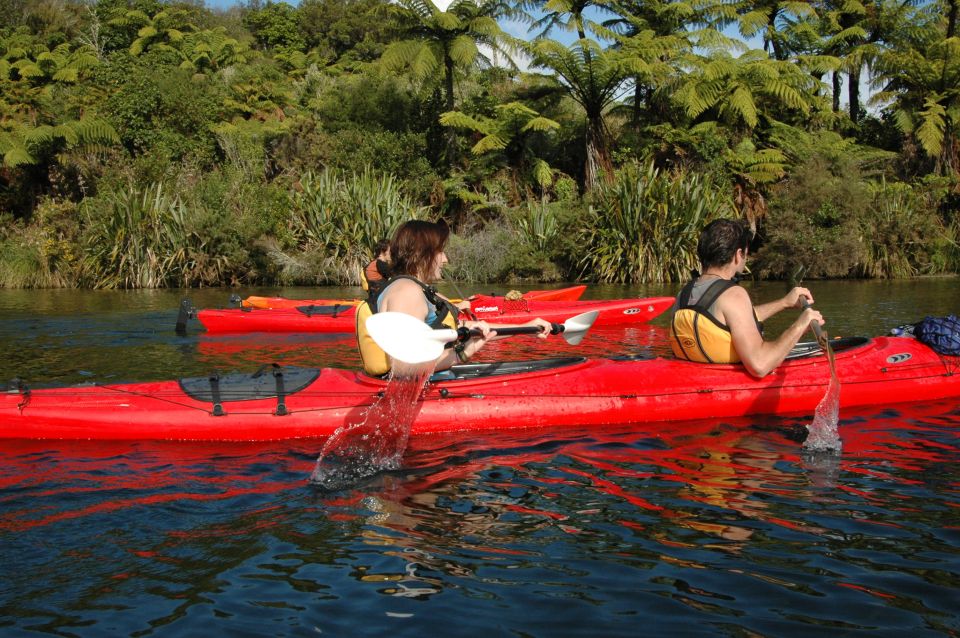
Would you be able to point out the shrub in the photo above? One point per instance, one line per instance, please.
(41, 254)
(901, 234)
(142, 238)
(814, 223)
(495, 252)
(644, 227)
(342, 215)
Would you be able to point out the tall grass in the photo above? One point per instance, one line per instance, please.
(644, 227)
(342, 215)
(902, 234)
(141, 238)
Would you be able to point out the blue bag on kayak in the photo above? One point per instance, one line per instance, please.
(942, 334)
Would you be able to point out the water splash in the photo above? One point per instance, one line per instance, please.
(822, 434)
(357, 451)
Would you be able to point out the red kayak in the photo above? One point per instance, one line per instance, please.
(342, 317)
(290, 402)
(571, 293)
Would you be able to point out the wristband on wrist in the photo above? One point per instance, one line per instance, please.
(462, 355)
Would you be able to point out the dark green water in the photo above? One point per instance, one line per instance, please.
(68, 336)
(707, 528)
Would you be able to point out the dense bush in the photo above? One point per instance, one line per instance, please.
(814, 223)
(150, 143)
(644, 227)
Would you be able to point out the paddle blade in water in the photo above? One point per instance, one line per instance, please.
(822, 434)
(360, 450)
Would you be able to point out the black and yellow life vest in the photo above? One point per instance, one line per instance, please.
(375, 360)
(696, 334)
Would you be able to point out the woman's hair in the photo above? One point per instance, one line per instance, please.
(381, 246)
(720, 240)
(415, 246)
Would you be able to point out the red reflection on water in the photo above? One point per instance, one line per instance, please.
(49, 473)
(730, 465)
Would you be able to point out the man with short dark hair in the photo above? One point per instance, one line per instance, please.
(714, 320)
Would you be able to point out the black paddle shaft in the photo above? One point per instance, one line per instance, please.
(465, 333)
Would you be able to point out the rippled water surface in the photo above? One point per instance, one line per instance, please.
(691, 528)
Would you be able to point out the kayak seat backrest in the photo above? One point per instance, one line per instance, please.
(812, 348)
(242, 386)
(480, 370)
(331, 311)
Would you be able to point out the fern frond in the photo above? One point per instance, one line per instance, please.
(542, 173)
(541, 123)
(456, 119)
(489, 143)
(463, 50)
(741, 102)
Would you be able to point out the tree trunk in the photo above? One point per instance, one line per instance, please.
(451, 134)
(954, 7)
(854, 93)
(837, 89)
(637, 92)
(598, 165)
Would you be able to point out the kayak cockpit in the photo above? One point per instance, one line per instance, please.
(806, 349)
(500, 368)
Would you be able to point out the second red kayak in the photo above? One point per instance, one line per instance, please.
(342, 317)
(570, 293)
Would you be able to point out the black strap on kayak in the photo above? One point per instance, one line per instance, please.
(326, 310)
(281, 404)
(215, 394)
(281, 391)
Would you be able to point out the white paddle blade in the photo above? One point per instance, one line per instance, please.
(575, 328)
(406, 338)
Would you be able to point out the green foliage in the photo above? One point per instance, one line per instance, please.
(921, 79)
(24, 145)
(346, 32)
(902, 235)
(342, 215)
(815, 222)
(158, 107)
(144, 238)
(496, 252)
(276, 25)
(737, 92)
(593, 77)
(509, 134)
(100, 102)
(42, 253)
(644, 227)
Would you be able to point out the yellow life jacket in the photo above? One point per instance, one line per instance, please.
(375, 361)
(696, 334)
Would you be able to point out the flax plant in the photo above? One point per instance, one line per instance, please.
(901, 236)
(141, 238)
(643, 228)
(343, 215)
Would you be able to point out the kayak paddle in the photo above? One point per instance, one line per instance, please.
(822, 433)
(407, 339)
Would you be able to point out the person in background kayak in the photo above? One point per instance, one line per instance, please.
(375, 275)
(417, 259)
(714, 320)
